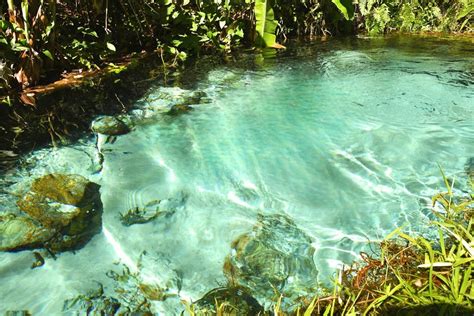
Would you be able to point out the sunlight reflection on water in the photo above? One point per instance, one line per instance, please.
(345, 142)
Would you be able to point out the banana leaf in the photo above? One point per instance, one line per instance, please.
(266, 24)
(346, 7)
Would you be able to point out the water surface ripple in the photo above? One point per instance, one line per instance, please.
(343, 141)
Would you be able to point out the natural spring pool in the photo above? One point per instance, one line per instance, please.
(341, 138)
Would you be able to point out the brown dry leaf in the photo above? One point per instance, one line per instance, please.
(418, 283)
(21, 77)
(28, 99)
(278, 46)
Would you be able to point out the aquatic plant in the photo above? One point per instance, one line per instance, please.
(137, 215)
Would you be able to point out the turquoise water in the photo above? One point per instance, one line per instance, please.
(343, 139)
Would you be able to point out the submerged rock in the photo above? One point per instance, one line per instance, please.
(66, 188)
(275, 256)
(178, 109)
(39, 260)
(18, 233)
(50, 213)
(137, 216)
(18, 313)
(197, 97)
(69, 206)
(185, 105)
(236, 301)
(109, 125)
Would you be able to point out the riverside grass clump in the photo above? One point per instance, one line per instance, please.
(410, 275)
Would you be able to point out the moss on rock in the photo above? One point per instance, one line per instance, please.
(178, 109)
(66, 189)
(17, 232)
(109, 125)
(67, 206)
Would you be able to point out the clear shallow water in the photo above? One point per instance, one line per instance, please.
(344, 140)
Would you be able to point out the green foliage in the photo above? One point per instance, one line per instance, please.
(382, 16)
(346, 7)
(46, 36)
(86, 34)
(26, 37)
(378, 20)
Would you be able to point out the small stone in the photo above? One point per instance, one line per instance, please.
(236, 301)
(109, 125)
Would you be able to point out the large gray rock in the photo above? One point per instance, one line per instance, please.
(275, 255)
(69, 206)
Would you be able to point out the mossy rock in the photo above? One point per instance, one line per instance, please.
(17, 232)
(235, 301)
(49, 214)
(276, 254)
(68, 205)
(109, 125)
(178, 109)
(66, 188)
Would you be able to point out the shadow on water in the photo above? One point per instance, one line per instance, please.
(64, 114)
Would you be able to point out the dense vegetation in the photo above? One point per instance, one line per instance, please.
(39, 39)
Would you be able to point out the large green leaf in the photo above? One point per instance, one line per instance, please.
(346, 7)
(266, 23)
